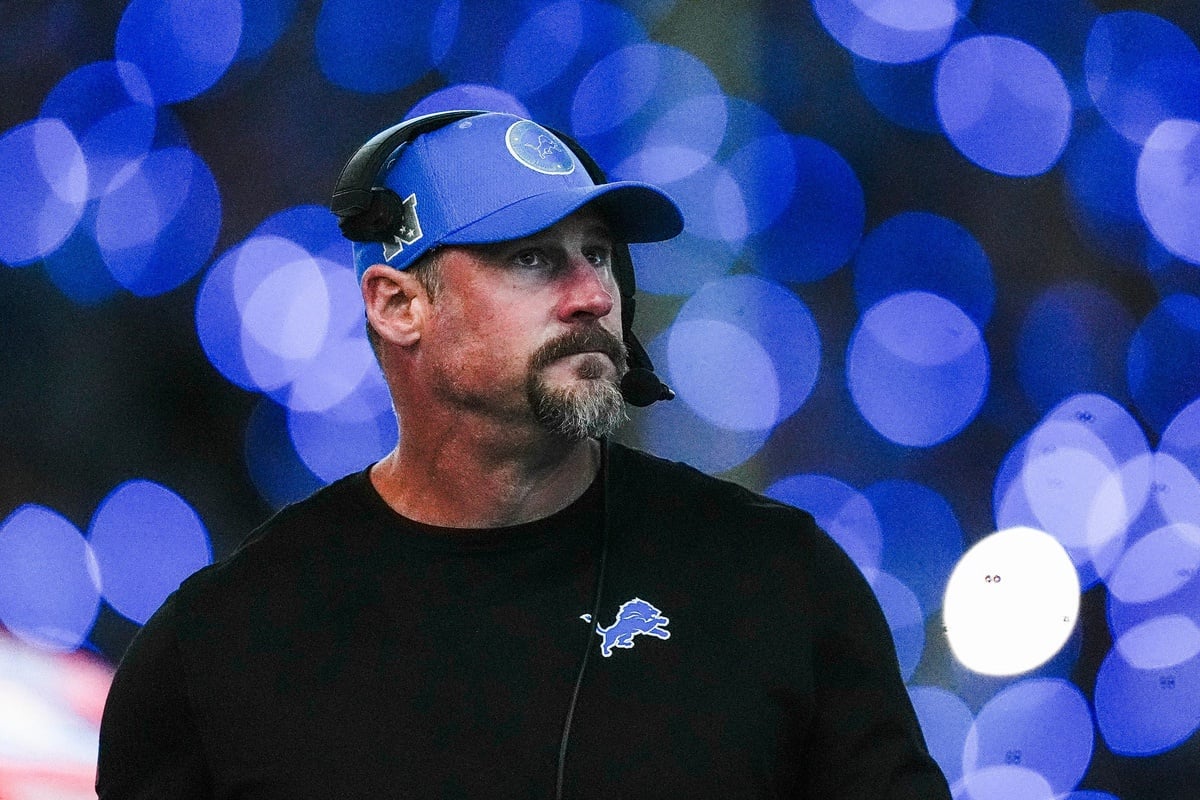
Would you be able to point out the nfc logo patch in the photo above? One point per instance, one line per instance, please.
(635, 617)
(538, 149)
(407, 231)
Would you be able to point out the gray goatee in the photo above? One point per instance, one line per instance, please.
(594, 408)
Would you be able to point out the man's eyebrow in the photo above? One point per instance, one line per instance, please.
(599, 230)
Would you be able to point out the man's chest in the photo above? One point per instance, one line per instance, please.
(445, 701)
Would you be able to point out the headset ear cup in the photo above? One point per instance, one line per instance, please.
(377, 221)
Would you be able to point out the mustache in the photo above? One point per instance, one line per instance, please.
(582, 340)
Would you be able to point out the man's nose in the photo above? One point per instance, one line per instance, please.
(588, 291)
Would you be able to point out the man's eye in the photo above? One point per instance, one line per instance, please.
(530, 258)
(600, 256)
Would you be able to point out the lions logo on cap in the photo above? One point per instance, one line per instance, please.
(538, 149)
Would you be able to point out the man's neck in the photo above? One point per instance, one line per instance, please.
(459, 480)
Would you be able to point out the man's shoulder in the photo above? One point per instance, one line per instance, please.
(671, 501)
(294, 539)
(331, 507)
(721, 527)
(674, 487)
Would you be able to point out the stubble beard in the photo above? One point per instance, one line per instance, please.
(592, 407)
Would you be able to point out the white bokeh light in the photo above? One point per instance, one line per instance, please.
(1011, 602)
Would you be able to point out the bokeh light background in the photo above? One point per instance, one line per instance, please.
(940, 284)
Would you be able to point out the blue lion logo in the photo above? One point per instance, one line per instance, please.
(634, 618)
(544, 146)
(538, 149)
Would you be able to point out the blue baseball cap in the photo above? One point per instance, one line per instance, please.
(496, 177)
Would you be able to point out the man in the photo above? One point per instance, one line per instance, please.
(507, 605)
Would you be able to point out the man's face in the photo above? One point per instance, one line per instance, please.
(530, 330)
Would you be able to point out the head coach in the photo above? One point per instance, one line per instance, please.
(509, 604)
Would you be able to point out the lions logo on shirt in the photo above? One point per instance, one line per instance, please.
(636, 617)
(538, 149)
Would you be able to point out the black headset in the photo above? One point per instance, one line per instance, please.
(367, 212)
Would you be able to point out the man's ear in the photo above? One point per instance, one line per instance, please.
(396, 304)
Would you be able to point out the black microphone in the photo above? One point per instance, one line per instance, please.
(641, 387)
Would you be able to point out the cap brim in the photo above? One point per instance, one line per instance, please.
(636, 212)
